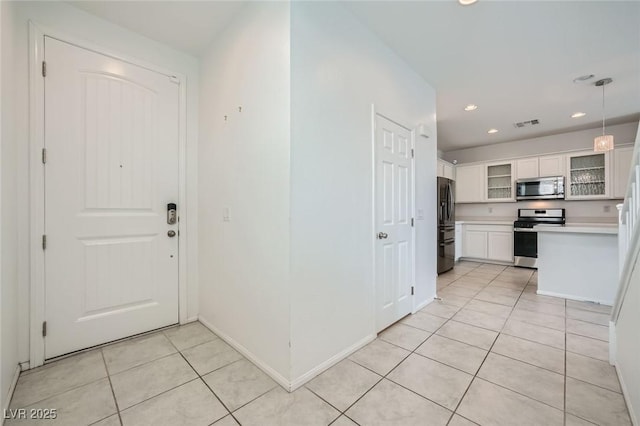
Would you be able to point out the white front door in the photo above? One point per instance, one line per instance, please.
(111, 138)
(393, 210)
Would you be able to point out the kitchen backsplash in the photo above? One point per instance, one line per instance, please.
(600, 211)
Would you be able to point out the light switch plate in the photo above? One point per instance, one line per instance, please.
(225, 214)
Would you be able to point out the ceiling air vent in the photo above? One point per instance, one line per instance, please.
(526, 123)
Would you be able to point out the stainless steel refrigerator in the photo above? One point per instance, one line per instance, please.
(446, 225)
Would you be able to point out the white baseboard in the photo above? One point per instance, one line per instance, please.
(572, 297)
(625, 393)
(423, 304)
(296, 383)
(12, 388)
(190, 319)
(24, 366)
(281, 380)
(613, 347)
(478, 260)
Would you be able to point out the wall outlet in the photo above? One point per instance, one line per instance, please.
(606, 209)
(225, 214)
(490, 209)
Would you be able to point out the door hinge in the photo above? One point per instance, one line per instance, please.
(412, 290)
(44, 242)
(44, 155)
(44, 68)
(412, 222)
(412, 153)
(44, 329)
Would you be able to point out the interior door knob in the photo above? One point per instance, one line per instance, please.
(171, 233)
(382, 235)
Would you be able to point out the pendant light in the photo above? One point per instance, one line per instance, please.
(604, 142)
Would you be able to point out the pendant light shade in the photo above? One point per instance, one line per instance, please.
(605, 142)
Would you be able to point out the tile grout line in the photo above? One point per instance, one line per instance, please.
(385, 376)
(62, 392)
(413, 352)
(230, 413)
(529, 282)
(343, 413)
(200, 377)
(113, 393)
(487, 355)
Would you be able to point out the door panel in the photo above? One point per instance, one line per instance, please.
(394, 208)
(111, 134)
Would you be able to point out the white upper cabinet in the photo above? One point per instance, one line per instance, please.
(470, 183)
(533, 167)
(527, 168)
(499, 181)
(621, 168)
(551, 165)
(446, 170)
(587, 175)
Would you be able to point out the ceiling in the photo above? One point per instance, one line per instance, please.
(189, 26)
(516, 60)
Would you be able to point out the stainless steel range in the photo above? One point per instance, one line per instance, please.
(525, 237)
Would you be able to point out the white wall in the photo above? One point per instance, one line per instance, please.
(339, 69)
(244, 166)
(69, 20)
(8, 217)
(570, 141)
(628, 344)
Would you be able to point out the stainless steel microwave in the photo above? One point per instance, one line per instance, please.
(543, 188)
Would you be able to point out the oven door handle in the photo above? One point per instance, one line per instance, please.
(524, 230)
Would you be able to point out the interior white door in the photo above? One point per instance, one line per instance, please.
(111, 135)
(393, 210)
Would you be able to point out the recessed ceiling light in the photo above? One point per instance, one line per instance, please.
(471, 107)
(492, 131)
(467, 2)
(578, 114)
(583, 78)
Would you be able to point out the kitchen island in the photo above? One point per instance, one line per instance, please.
(578, 261)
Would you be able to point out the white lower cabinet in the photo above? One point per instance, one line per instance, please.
(488, 242)
(475, 243)
(459, 242)
(500, 245)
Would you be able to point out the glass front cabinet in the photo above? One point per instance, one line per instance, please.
(500, 182)
(587, 175)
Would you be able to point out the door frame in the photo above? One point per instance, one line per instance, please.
(374, 113)
(37, 33)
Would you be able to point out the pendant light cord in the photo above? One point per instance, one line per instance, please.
(603, 109)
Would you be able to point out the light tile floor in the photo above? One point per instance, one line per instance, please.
(490, 352)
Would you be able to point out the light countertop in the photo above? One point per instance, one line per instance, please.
(581, 228)
(485, 221)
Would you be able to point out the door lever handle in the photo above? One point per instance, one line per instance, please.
(382, 235)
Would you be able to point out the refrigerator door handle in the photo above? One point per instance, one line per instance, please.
(449, 202)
